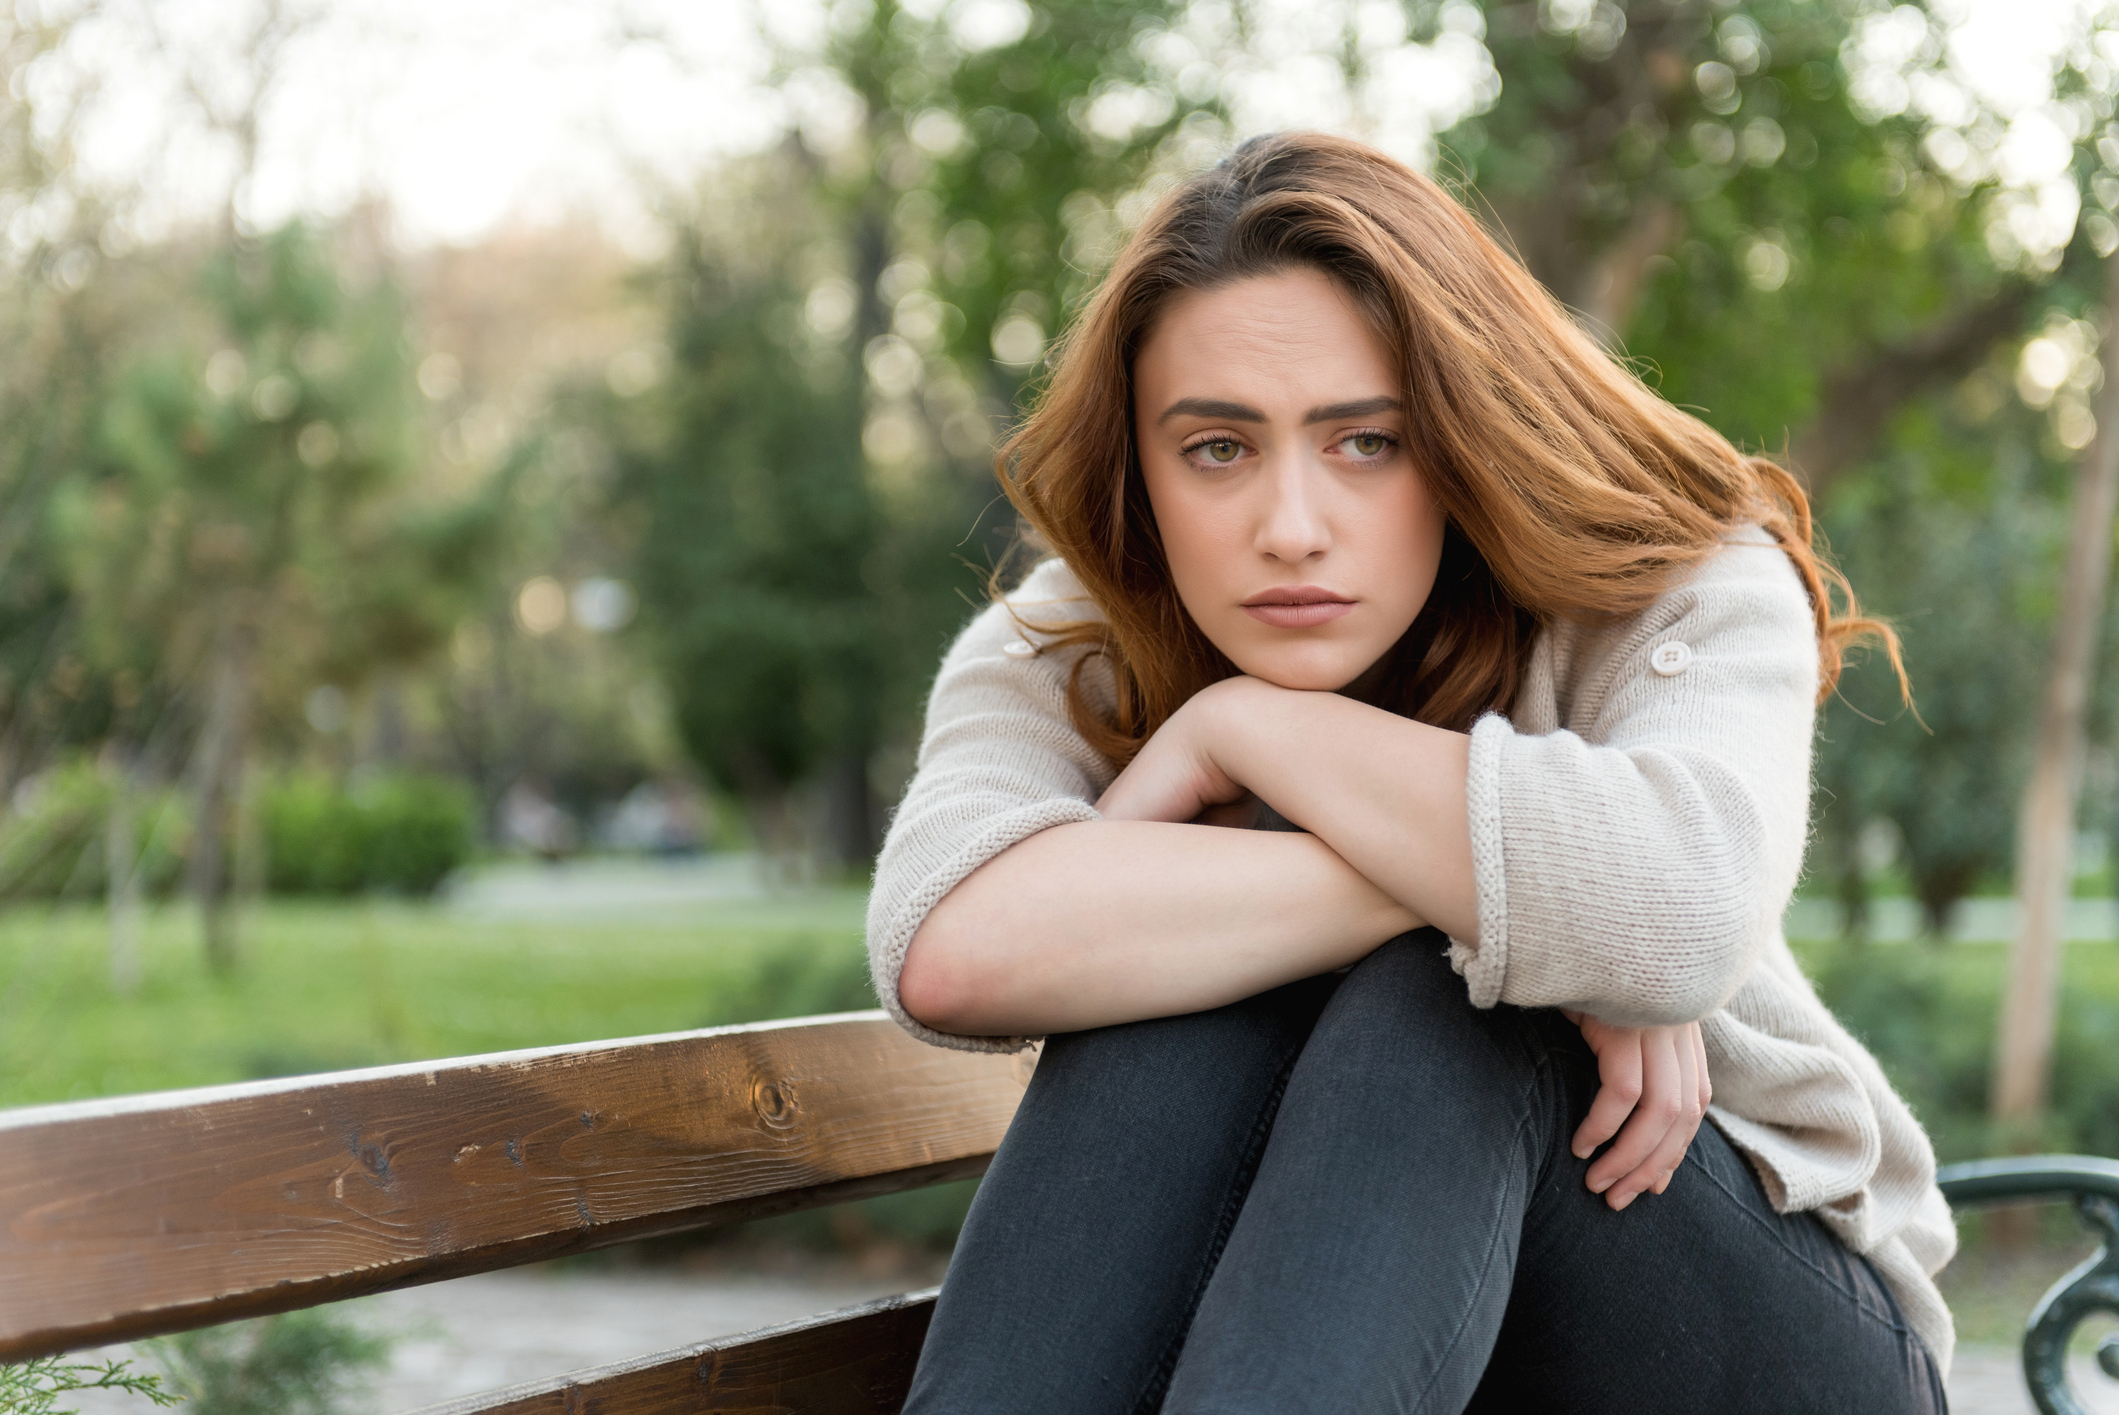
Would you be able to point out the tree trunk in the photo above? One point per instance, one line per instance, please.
(1857, 402)
(216, 784)
(122, 865)
(2045, 847)
(850, 814)
(1616, 279)
(251, 862)
(769, 802)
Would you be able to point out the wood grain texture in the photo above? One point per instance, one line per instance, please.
(148, 1214)
(853, 1362)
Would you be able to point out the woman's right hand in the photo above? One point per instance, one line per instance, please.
(1653, 1094)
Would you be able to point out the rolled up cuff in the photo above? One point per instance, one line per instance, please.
(1483, 962)
(891, 926)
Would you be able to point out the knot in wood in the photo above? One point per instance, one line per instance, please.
(774, 1099)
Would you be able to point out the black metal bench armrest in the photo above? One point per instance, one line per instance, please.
(2093, 1184)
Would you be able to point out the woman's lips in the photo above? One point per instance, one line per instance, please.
(1299, 608)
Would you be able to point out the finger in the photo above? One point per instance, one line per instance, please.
(1653, 1115)
(1706, 1093)
(1661, 1165)
(1619, 1075)
(1699, 1046)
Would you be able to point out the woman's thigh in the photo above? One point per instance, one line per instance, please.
(1698, 1298)
(1372, 1263)
(1419, 1235)
(1106, 1207)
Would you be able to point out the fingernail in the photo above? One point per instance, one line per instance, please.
(1583, 1152)
(1617, 1205)
(1598, 1186)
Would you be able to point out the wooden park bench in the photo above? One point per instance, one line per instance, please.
(142, 1215)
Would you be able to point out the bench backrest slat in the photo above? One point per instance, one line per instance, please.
(853, 1362)
(151, 1214)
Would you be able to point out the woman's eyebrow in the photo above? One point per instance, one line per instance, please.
(1212, 408)
(1359, 408)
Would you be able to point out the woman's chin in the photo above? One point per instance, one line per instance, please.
(1305, 676)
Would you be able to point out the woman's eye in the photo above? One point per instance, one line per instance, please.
(1221, 451)
(1369, 444)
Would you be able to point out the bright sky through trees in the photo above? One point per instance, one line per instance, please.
(468, 114)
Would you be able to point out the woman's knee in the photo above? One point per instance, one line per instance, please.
(1405, 1008)
(1164, 1061)
(1409, 977)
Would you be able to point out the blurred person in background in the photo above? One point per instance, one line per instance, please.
(1391, 1101)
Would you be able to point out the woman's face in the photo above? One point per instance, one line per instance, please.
(1300, 535)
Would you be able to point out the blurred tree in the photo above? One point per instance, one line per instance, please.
(2045, 865)
(246, 526)
(1951, 537)
(852, 321)
(756, 524)
(527, 341)
(57, 327)
(1697, 180)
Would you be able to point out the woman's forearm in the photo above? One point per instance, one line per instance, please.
(1101, 922)
(1386, 793)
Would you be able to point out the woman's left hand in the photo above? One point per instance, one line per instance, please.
(1175, 777)
(1653, 1094)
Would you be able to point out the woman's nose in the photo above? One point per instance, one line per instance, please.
(1291, 522)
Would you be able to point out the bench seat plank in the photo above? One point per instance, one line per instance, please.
(857, 1361)
(147, 1214)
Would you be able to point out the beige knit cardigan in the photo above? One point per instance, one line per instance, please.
(1638, 823)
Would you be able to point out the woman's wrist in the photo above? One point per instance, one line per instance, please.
(1231, 719)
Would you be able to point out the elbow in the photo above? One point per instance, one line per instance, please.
(938, 987)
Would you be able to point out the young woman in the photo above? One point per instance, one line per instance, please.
(1392, 1102)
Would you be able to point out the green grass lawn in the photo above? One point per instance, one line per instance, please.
(330, 985)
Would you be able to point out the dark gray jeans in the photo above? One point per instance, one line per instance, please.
(1355, 1194)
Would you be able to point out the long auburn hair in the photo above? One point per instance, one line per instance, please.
(1571, 489)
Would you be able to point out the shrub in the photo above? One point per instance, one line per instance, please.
(401, 832)
(301, 1363)
(34, 1387)
(53, 838)
(1929, 1018)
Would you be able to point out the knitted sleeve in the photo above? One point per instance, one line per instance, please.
(999, 761)
(1633, 868)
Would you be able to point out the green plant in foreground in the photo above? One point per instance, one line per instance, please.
(34, 1387)
(299, 1363)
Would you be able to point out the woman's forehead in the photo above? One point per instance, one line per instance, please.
(1289, 341)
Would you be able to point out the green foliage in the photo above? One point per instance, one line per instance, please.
(402, 833)
(758, 523)
(34, 1387)
(821, 459)
(1750, 235)
(250, 477)
(299, 1363)
(1960, 558)
(1017, 217)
